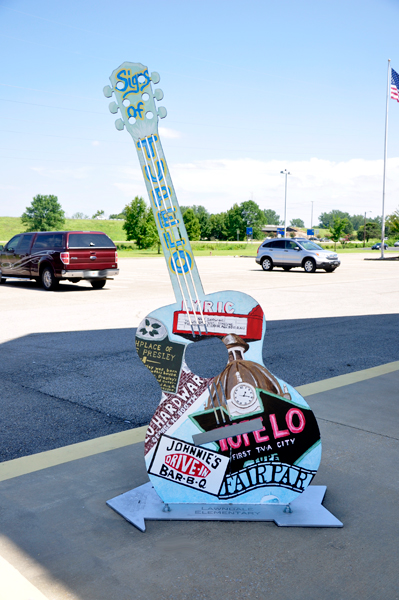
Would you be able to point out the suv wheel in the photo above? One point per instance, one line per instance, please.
(98, 283)
(329, 269)
(48, 279)
(309, 265)
(267, 264)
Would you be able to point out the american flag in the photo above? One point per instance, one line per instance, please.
(394, 85)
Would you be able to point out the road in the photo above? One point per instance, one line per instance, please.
(69, 371)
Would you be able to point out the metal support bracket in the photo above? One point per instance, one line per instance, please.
(143, 503)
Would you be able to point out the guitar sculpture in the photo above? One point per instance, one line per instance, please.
(245, 436)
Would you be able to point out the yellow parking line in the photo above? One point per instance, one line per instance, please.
(51, 458)
(342, 380)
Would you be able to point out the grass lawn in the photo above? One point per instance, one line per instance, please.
(10, 226)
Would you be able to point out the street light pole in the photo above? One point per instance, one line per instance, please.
(311, 216)
(286, 173)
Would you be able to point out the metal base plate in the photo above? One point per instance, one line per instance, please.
(305, 511)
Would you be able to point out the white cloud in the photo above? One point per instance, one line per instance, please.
(169, 133)
(95, 143)
(353, 186)
(63, 174)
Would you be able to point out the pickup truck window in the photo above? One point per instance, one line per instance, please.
(90, 240)
(23, 246)
(13, 243)
(47, 240)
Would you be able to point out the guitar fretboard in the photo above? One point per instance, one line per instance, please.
(135, 101)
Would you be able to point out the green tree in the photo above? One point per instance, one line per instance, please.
(79, 215)
(147, 235)
(44, 214)
(327, 219)
(217, 226)
(357, 221)
(121, 215)
(99, 213)
(393, 223)
(192, 225)
(234, 221)
(337, 229)
(271, 217)
(203, 217)
(297, 223)
(252, 216)
(373, 230)
(135, 212)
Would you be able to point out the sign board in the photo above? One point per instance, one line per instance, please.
(310, 232)
(249, 230)
(280, 230)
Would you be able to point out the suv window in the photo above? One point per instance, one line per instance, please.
(47, 240)
(290, 245)
(310, 245)
(90, 240)
(24, 243)
(13, 243)
(278, 244)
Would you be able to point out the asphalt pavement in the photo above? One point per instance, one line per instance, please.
(69, 374)
(62, 387)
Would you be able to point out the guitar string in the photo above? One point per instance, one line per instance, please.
(198, 303)
(195, 302)
(172, 257)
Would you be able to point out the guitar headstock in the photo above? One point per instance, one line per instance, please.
(134, 98)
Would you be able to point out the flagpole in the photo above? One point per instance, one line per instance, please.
(385, 162)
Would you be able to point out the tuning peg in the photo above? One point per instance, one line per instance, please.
(113, 107)
(158, 94)
(119, 124)
(162, 112)
(107, 91)
(155, 78)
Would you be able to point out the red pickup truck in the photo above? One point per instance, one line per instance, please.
(51, 256)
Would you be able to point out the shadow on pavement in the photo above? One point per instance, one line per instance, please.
(62, 388)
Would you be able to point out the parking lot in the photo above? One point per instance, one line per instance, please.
(70, 372)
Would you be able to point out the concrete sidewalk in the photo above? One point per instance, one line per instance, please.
(59, 540)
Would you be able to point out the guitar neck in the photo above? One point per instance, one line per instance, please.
(172, 232)
(131, 85)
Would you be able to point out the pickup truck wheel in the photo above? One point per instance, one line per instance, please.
(98, 283)
(48, 279)
(309, 265)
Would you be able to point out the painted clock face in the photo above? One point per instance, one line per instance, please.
(243, 395)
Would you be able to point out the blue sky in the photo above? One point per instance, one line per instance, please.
(251, 88)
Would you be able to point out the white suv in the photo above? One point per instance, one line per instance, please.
(298, 252)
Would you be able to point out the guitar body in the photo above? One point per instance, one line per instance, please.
(273, 464)
(244, 436)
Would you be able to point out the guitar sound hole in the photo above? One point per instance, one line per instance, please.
(207, 357)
